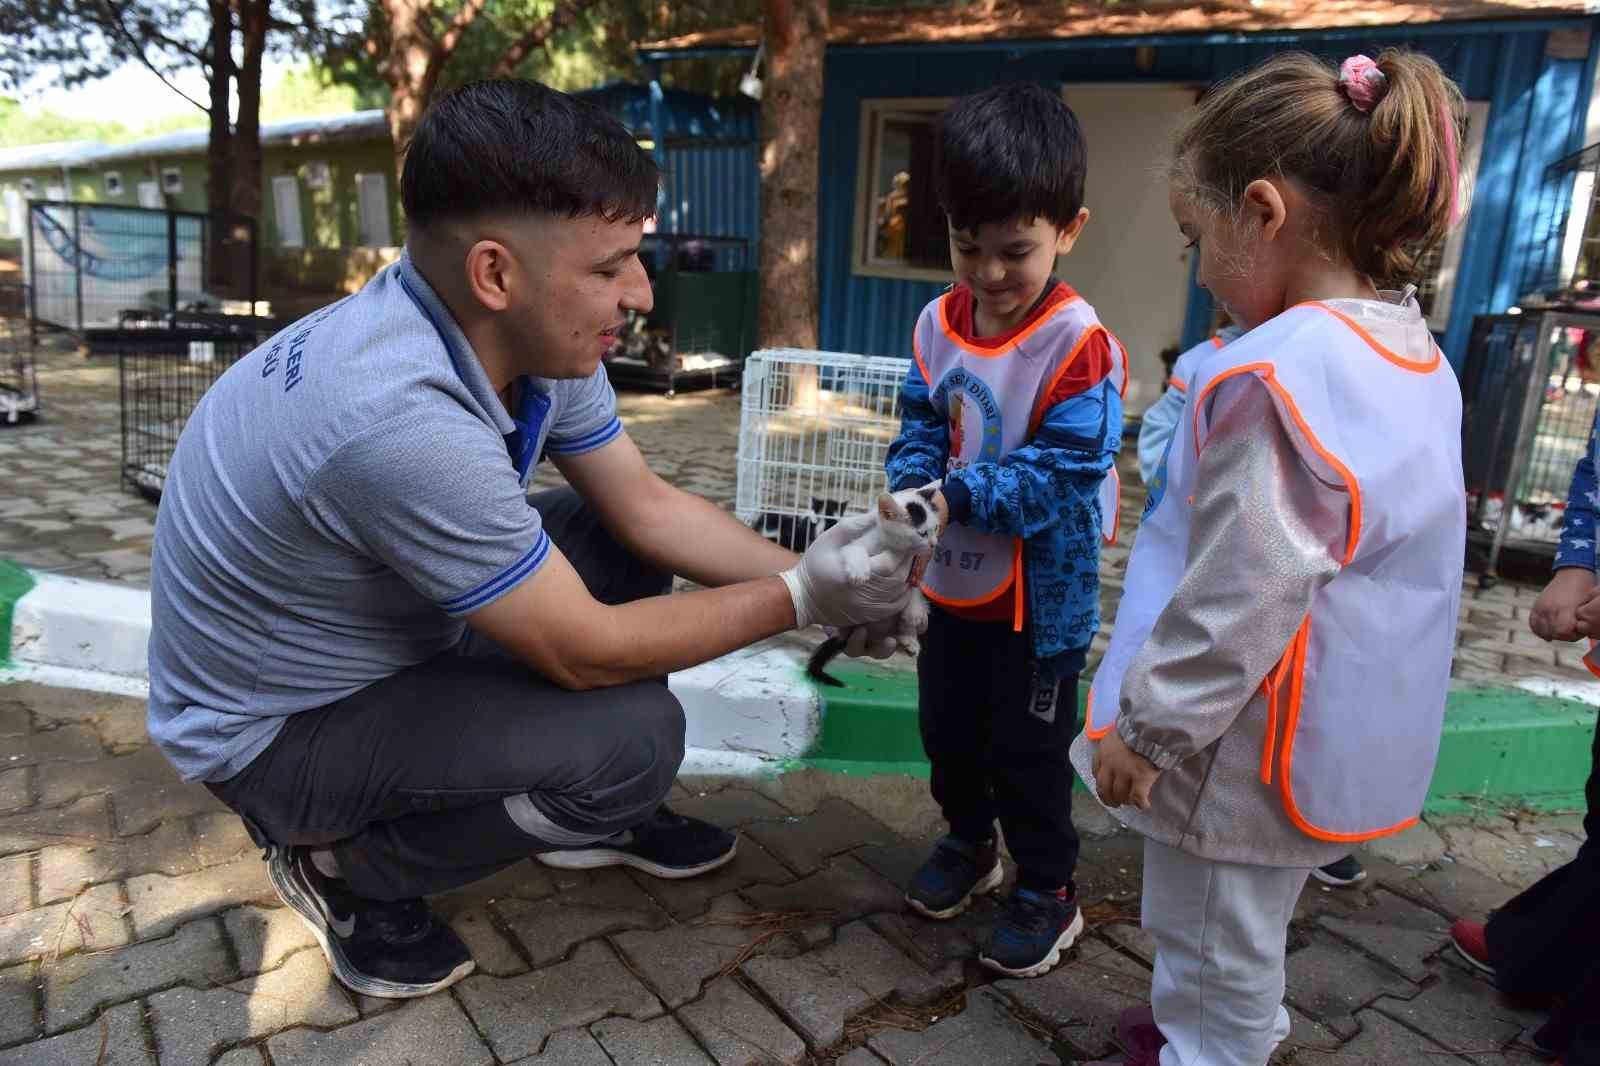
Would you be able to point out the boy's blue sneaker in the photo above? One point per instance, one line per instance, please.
(1342, 874)
(1036, 929)
(955, 872)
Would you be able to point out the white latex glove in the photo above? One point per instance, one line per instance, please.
(823, 595)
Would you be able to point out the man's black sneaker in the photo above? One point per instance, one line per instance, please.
(1036, 929)
(392, 950)
(1347, 871)
(956, 871)
(669, 845)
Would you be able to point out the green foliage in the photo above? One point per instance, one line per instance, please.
(19, 126)
(306, 91)
(598, 48)
(302, 91)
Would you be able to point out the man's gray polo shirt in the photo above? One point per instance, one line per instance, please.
(338, 500)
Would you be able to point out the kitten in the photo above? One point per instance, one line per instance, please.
(907, 525)
(796, 532)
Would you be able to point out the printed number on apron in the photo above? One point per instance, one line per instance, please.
(963, 560)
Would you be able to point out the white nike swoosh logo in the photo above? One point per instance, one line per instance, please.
(342, 928)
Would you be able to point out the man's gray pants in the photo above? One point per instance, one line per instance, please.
(459, 766)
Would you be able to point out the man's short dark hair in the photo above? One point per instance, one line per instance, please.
(1011, 152)
(514, 145)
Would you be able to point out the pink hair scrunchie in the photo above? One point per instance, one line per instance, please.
(1362, 81)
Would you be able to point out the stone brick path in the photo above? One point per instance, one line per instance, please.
(137, 927)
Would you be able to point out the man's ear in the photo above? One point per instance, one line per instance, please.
(489, 267)
(1074, 229)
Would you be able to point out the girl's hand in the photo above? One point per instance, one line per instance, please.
(1555, 614)
(1122, 775)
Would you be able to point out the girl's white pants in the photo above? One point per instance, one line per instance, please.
(1221, 930)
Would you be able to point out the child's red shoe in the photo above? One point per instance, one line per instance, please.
(1151, 1058)
(1136, 1032)
(1471, 943)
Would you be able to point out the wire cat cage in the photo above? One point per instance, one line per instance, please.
(165, 363)
(19, 373)
(1531, 386)
(814, 430)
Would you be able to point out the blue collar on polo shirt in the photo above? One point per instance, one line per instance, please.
(521, 430)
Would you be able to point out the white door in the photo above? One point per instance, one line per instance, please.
(150, 194)
(372, 211)
(1130, 262)
(286, 209)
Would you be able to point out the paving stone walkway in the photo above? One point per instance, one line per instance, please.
(137, 927)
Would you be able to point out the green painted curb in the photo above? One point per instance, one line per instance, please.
(1501, 747)
(14, 584)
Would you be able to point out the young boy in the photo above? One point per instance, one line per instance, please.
(1015, 402)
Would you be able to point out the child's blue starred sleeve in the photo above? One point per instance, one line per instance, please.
(1577, 548)
(918, 455)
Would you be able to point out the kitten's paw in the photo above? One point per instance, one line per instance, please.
(857, 565)
(914, 617)
(910, 645)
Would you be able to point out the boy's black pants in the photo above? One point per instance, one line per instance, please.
(998, 742)
(1545, 943)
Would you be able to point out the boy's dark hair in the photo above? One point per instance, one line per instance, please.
(1014, 151)
(515, 145)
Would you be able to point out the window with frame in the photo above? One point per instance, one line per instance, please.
(1436, 272)
(900, 230)
(286, 211)
(113, 183)
(372, 211)
(172, 180)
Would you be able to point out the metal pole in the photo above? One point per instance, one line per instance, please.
(33, 282)
(254, 253)
(172, 263)
(77, 260)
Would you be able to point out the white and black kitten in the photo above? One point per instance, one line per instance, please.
(796, 532)
(907, 525)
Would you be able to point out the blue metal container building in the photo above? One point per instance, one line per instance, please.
(1535, 72)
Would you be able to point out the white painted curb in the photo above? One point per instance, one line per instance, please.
(745, 711)
(82, 625)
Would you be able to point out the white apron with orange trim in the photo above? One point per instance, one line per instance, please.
(981, 392)
(1356, 705)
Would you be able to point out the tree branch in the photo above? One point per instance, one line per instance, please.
(780, 24)
(464, 18)
(565, 14)
(138, 49)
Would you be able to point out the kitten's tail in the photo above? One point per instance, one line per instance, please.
(827, 651)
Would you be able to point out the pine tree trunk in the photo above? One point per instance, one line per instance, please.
(219, 146)
(245, 201)
(791, 129)
(411, 70)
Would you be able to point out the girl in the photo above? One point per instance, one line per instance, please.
(1275, 685)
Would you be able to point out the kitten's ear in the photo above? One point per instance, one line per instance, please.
(928, 493)
(889, 508)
